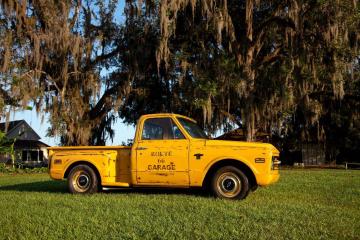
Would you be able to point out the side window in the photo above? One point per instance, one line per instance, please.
(161, 128)
(176, 131)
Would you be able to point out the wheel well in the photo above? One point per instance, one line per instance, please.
(230, 162)
(82, 163)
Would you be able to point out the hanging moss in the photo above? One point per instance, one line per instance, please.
(306, 37)
(52, 52)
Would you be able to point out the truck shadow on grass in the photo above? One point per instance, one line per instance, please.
(61, 187)
(41, 186)
(158, 191)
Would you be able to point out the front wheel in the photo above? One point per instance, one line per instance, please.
(230, 183)
(83, 179)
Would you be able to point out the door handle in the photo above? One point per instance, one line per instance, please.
(141, 148)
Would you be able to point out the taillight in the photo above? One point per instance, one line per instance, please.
(49, 164)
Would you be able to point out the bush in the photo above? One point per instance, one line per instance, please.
(6, 169)
(2, 167)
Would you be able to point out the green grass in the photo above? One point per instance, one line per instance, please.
(304, 204)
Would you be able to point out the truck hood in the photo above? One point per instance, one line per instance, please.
(243, 145)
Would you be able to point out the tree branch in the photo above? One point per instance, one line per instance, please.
(104, 57)
(270, 57)
(105, 102)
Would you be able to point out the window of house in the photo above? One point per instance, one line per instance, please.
(32, 155)
(24, 156)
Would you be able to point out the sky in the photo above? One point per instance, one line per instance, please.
(40, 123)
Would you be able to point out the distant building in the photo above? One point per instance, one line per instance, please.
(313, 153)
(29, 150)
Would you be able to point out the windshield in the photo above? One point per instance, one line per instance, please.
(194, 130)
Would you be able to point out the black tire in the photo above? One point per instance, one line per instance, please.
(254, 187)
(230, 183)
(82, 179)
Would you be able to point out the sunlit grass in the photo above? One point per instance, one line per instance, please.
(304, 204)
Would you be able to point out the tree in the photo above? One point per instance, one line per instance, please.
(289, 68)
(53, 54)
(7, 147)
(284, 49)
(259, 64)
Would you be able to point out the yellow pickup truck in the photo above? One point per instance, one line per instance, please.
(169, 150)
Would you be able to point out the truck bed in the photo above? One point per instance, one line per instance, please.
(112, 162)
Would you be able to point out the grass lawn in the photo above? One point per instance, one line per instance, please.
(304, 204)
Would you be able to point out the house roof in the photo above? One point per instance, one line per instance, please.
(13, 126)
(10, 125)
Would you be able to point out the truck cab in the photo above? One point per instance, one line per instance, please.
(169, 150)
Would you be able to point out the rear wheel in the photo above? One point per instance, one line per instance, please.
(254, 187)
(230, 183)
(83, 179)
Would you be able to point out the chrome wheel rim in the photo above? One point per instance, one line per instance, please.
(229, 184)
(81, 181)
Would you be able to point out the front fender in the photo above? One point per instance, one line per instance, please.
(225, 158)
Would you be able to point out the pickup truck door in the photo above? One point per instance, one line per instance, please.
(162, 154)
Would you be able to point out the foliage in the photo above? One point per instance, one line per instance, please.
(4, 169)
(283, 67)
(286, 51)
(52, 55)
(304, 204)
(7, 147)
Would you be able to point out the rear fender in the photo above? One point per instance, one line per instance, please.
(100, 163)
